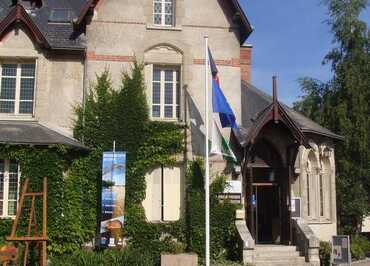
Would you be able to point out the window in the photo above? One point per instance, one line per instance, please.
(308, 195)
(165, 93)
(163, 12)
(313, 188)
(321, 196)
(163, 194)
(61, 15)
(325, 188)
(17, 88)
(9, 188)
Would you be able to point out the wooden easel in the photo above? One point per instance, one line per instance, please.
(32, 231)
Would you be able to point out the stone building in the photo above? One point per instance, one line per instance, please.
(51, 50)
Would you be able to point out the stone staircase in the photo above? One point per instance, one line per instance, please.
(278, 255)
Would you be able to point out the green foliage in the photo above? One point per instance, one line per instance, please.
(130, 256)
(360, 246)
(152, 144)
(224, 237)
(121, 115)
(148, 145)
(342, 105)
(325, 251)
(5, 227)
(71, 191)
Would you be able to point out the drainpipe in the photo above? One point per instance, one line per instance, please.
(84, 82)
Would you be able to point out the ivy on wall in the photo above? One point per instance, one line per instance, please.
(71, 186)
(121, 115)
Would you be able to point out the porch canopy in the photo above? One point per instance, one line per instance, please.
(259, 108)
(34, 133)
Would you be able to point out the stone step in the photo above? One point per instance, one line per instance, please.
(278, 255)
(282, 253)
(281, 261)
(267, 248)
(282, 264)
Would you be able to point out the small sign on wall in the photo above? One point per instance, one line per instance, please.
(295, 207)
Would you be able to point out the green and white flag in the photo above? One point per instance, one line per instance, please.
(219, 145)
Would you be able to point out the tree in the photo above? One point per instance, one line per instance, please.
(342, 105)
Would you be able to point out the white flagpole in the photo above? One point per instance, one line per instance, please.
(206, 92)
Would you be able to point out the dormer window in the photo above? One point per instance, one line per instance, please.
(31, 4)
(61, 15)
(163, 12)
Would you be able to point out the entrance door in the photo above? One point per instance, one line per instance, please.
(267, 212)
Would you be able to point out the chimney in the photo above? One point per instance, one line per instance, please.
(245, 62)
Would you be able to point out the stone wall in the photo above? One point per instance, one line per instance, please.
(59, 80)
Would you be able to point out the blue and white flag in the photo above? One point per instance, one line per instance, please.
(219, 102)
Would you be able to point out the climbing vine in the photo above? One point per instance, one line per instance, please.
(121, 114)
(71, 185)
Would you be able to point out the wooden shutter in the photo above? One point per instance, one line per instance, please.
(152, 201)
(172, 194)
(148, 71)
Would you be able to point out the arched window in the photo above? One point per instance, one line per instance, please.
(163, 76)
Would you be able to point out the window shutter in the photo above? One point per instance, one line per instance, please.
(148, 71)
(172, 193)
(152, 201)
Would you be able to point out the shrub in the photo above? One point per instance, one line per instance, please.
(325, 251)
(360, 246)
(224, 236)
(5, 227)
(128, 256)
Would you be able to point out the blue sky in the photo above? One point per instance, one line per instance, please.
(290, 39)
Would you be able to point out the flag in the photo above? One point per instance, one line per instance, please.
(220, 145)
(219, 102)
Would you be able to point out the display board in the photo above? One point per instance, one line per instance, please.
(341, 250)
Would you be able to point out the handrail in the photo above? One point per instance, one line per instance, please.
(248, 243)
(306, 240)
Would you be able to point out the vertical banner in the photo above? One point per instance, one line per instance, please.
(112, 198)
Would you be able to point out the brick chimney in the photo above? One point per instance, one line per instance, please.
(245, 62)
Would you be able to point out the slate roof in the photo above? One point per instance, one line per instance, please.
(64, 36)
(58, 35)
(254, 104)
(30, 132)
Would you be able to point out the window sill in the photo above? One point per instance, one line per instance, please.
(163, 222)
(160, 27)
(169, 120)
(319, 221)
(17, 117)
(7, 217)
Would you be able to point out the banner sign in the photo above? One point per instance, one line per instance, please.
(112, 198)
(341, 252)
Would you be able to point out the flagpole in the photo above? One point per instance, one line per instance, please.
(206, 93)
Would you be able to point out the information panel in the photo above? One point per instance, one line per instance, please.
(112, 198)
(341, 251)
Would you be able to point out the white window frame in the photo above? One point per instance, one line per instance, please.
(176, 87)
(5, 198)
(18, 78)
(163, 13)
